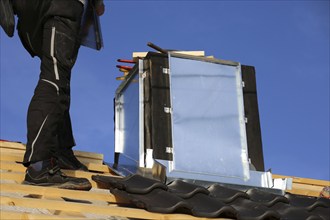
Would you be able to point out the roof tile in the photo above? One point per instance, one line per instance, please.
(186, 190)
(214, 201)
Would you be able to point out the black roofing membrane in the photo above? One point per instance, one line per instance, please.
(215, 201)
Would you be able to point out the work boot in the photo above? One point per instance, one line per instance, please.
(48, 173)
(67, 160)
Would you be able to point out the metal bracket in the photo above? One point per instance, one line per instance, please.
(143, 75)
(168, 110)
(169, 150)
(166, 70)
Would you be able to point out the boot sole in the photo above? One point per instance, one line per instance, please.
(68, 185)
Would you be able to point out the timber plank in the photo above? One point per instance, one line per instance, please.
(86, 160)
(18, 167)
(10, 215)
(19, 176)
(9, 151)
(304, 180)
(12, 166)
(16, 156)
(88, 155)
(99, 195)
(88, 175)
(15, 176)
(11, 157)
(192, 53)
(304, 192)
(307, 190)
(98, 167)
(90, 208)
(19, 147)
(12, 145)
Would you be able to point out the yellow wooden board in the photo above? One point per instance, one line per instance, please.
(11, 215)
(13, 145)
(93, 195)
(71, 204)
(304, 180)
(20, 148)
(89, 208)
(192, 53)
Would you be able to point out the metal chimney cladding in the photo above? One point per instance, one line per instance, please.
(184, 115)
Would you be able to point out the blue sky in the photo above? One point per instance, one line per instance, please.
(286, 41)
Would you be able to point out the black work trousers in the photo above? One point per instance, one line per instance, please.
(49, 29)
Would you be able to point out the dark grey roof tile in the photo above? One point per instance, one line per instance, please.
(226, 194)
(206, 206)
(265, 198)
(248, 209)
(289, 212)
(300, 201)
(314, 217)
(156, 200)
(325, 202)
(132, 184)
(246, 214)
(323, 212)
(214, 201)
(185, 190)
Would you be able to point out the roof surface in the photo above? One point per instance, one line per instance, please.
(142, 198)
(214, 201)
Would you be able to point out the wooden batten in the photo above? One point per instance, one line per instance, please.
(192, 53)
(20, 201)
(305, 186)
(98, 203)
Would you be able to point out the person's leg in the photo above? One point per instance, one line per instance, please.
(51, 101)
(65, 156)
(65, 139)
(65, 134)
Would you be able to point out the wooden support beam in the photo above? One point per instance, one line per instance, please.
(13, 157)
(305, 189)
(88, 175)
(14, 147)
(17, 167)
(4, 150)
(98, 167)
(192, 53)
(304, 180)
(90, 155)
(19, 176)
(11, 215)
(12, 176)
(7, 163)
(90, 208)
(305, 186)
(16, 171)
(86, 160)
(11, 166)
(18, 156)
(93, 195)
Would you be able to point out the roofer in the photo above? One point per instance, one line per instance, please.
(49, 29)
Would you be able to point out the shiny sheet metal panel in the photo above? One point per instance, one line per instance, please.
(127, 124)
(208, 125)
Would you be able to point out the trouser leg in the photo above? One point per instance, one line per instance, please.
(48, 119)
(65, 134)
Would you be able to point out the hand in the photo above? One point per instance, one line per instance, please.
(100, 8)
